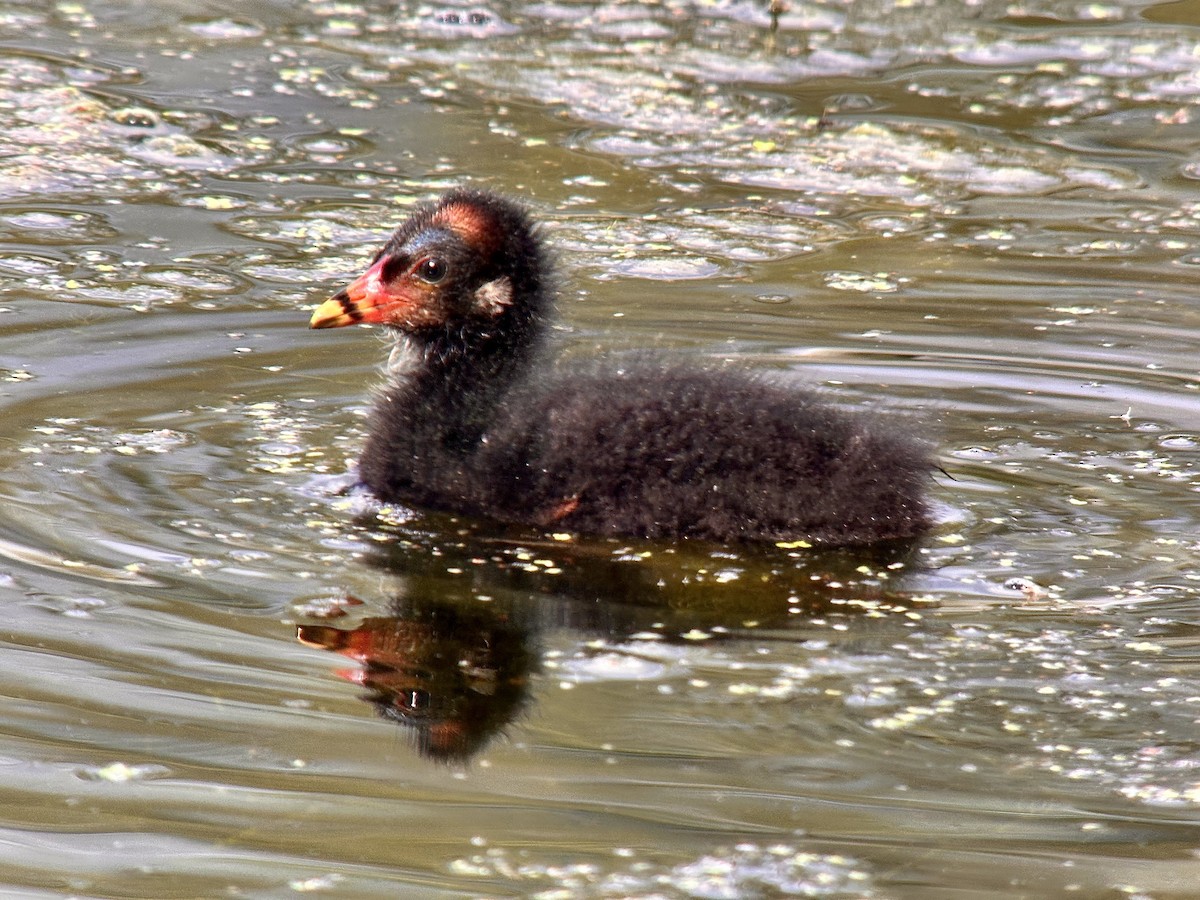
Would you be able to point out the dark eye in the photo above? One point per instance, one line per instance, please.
(431, 269)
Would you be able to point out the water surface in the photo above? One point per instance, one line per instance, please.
(980, 218)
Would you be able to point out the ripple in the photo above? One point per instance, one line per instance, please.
(690, 244)
(331, 146)
(1003, 246)
(57, 139)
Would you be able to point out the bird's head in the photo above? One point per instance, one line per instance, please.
(464, 264)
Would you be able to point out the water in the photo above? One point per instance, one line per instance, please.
(982, 218)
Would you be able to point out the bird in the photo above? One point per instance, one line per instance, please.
(480, 417)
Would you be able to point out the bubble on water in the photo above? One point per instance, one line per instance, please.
(1014, 180)
(65, 437)
(689, 244)
(120, 772)
(331, 146)
(75, 607)
(453, 23)
(135, 117)
(610, 666)
(864, 282)
(744, 870)
(320, 230)
(56, 139)
(213, 202)
(201, 280)
(1179, 442)
(227, 29)
(663, 269)
(637, 29)
(156, 440)
(139, 297)
(52, 226)
(24, 264)
(315, 883)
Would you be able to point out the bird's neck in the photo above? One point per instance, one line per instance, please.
(445, 394)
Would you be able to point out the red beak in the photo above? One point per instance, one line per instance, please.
(367, 299)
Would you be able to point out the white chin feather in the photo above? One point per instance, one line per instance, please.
(404, 359)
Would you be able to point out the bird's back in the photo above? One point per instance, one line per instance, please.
(716, 454)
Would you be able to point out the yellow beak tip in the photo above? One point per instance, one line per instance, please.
(330, 314)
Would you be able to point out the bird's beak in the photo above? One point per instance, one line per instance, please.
(367, 299)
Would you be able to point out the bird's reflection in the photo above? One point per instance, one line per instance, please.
(454, 673)
(453, 658)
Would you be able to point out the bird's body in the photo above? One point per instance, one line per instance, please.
(475, 419)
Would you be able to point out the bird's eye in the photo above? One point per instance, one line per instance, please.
(431, 269)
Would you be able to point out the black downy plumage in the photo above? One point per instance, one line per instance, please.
(476, 419)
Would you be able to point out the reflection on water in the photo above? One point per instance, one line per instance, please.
(455, 677)
(980, 217)
(453, 664)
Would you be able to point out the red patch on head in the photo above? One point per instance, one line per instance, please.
(473, 225)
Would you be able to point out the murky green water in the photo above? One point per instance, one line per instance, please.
(984, 217)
